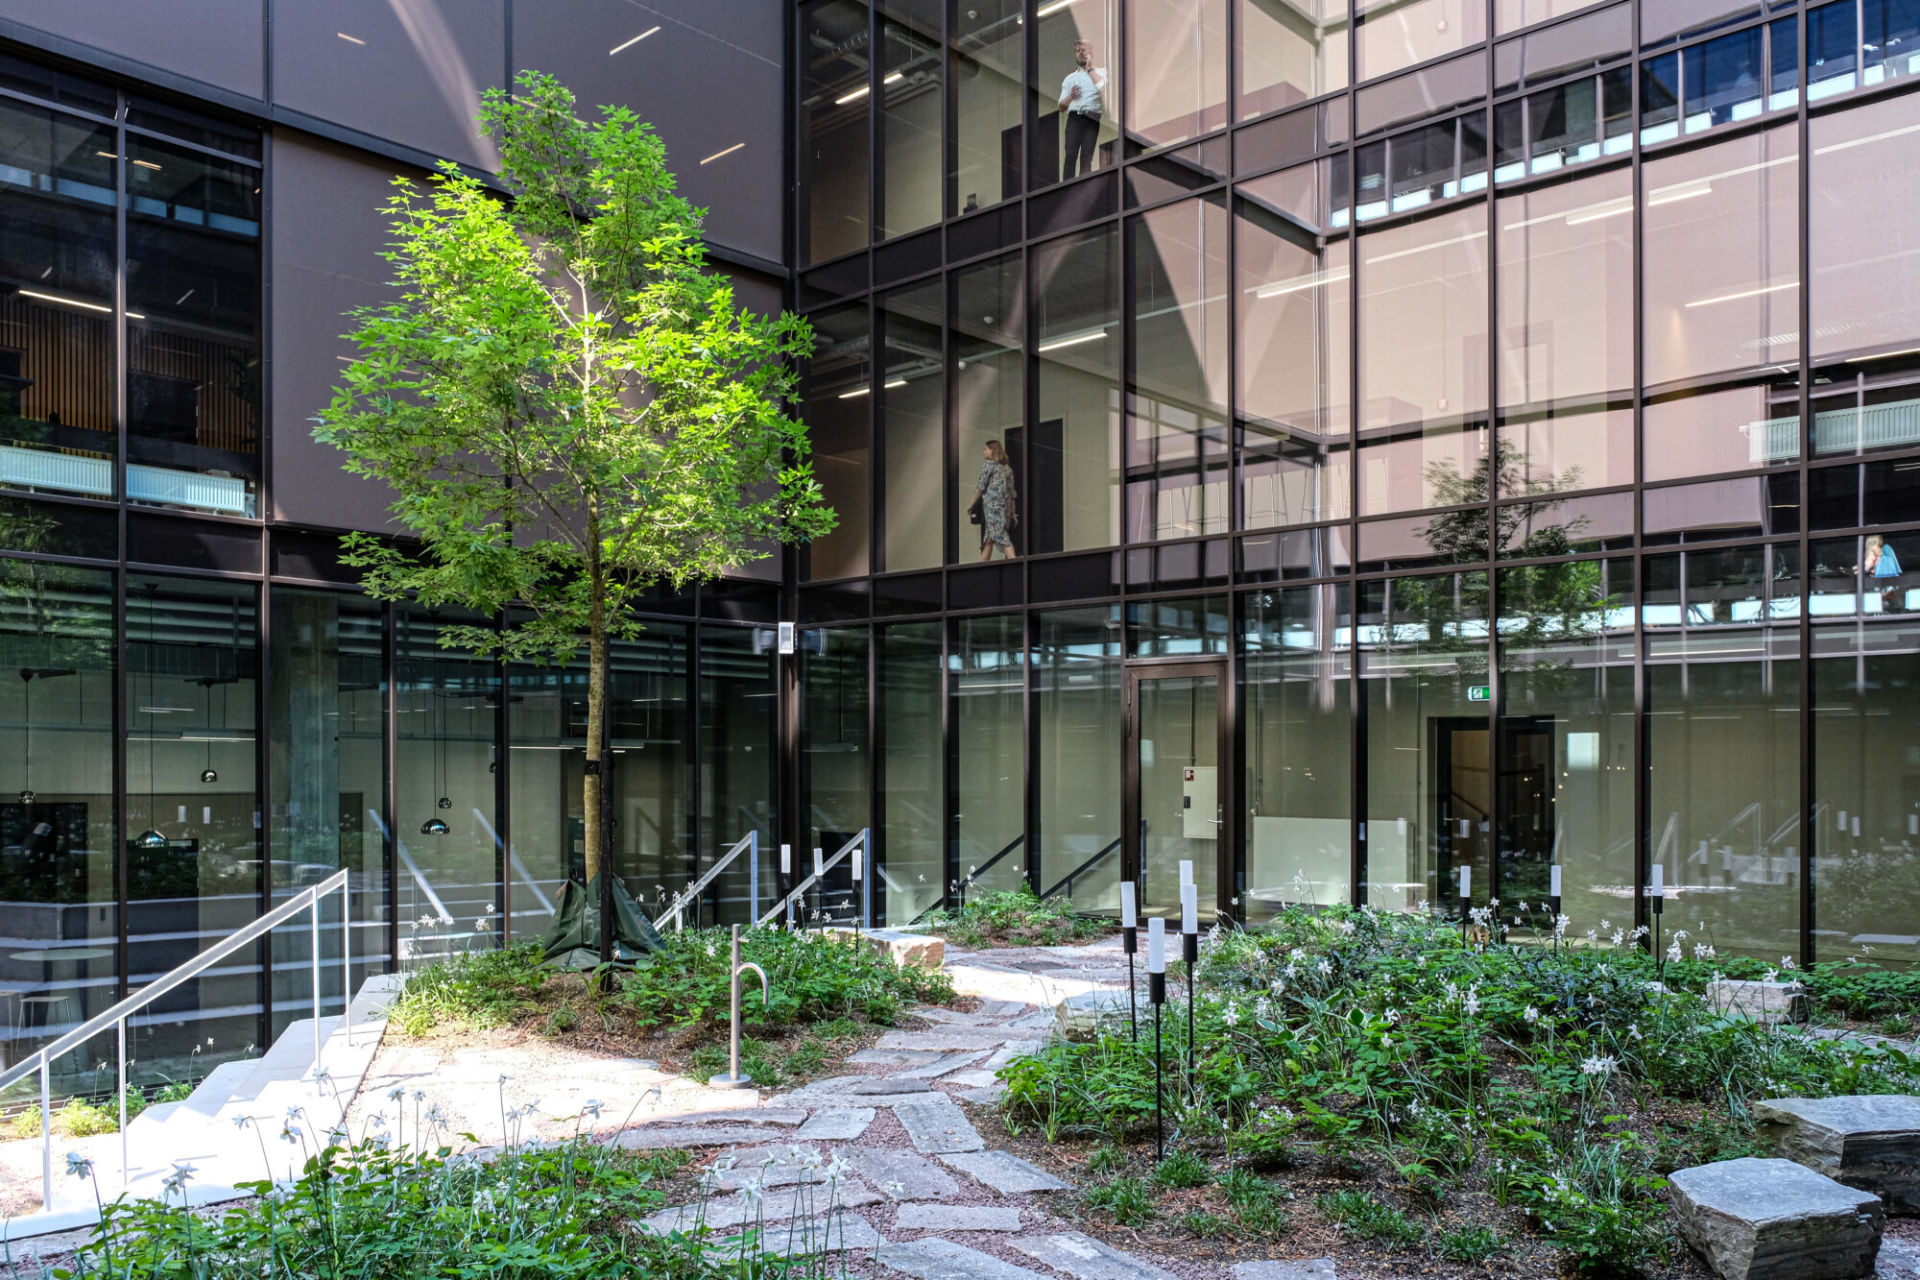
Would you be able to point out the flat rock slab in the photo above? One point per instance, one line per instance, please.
(1007, 1174)
(844, 1231)
(836, 1124)
(1868, 1142)
(1014, 1049)
(1755, 1219)
(998, 1008)
(894, 1057)
(650, 1138)
(724, 1213)
(1081, 1017)
(902, 1174)
(772, 1167)
(746, 1115)
(1760, 1001)
(946, 1039)
(937, 1259)
(939, 1126)
(990, 1096)
(941, 1065)
(981, 1079)
(1085, 1258)
(956, 1217)
(1310, 1269)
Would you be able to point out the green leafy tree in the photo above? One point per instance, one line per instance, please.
(569, 407)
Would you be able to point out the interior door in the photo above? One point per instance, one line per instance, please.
(1177, 802)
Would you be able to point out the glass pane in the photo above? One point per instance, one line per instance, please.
(909, 846)
(739, 761)
(1290, 52)
(989, 753)
(1563, 126)
(1833, 47)
(1077, 682)
(1735, 430)
(1783, 70)
(1295, 663)
(1181, 809)
(836, 394)
(57, 821)
(1891, 30)
(1177, 485)
(57, 427)
(1399, 33)
(192, 812)
(1075, 96)
(1660, 99)
(1565, 769)
(834, 88)
(444, 833)
(1864, 246)
(909, 116)
(1511, 15)
(912, 410)
(1423, 368)
(834, 759)
(1722, 80)
(1722, 275)
(193, 329)
(1295, 358)
(988, 156)
(1423, 661)
(1076, 292)
(329, 730)
(1723, 784)
(987, 336)
(1866, 684)
(1178, 51)
(1566, 334)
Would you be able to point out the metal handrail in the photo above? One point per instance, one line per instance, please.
(413, 868)
(857, 842)
(1067, 881)
(41, 1059)
(966, 882)
(748, 844)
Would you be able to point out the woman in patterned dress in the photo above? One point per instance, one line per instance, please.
(994, 492)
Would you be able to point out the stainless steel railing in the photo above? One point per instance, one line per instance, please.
(42, 1059)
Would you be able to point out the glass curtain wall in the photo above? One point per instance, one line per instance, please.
(58, 871)
(193, 813)
(836, 761)
(1177, 56)
(986, 666)
(910, 848)
(1077, 672)
(912, 427)
(987, 344)
(1296, 664)
(1177, 445)
(1292, 291)
(1075, 107)
(1076, 442)
(444, 833)
(739, 754)
(651, 734)
(984, 70)
(837, 397)
(327, 765)
(1429, 783)
(1289, 51)
(836, 67)
(910, 161)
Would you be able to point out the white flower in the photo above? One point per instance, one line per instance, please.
(1618, 937)
(1472, 1001)
(1392, 1016)
(591, 1108)
(1701, 951)
(427, 921)
(1532, 1015)
(1386, 1041)
(78, 1165)
(1673, 950)
(398, 1094)
(1232, 1015)
(1322, 967)
(1598, 1065)
(1787, 962)
(290, 1132)
(753, 1190)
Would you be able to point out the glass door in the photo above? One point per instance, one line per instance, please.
(1176, 790)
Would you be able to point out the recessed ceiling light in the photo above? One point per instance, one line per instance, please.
(624, 44)
(727, 152)
(349, 39)
(895, 78)
(845, 98)
(857, 391)
(147, 164)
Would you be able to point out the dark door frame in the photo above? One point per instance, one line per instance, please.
(1134, 672)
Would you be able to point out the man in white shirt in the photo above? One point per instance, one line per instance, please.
(1080, 103)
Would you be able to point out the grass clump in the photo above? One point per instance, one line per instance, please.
(1013, 918)
(1366, 1218)
(1183, 1168)
(1125, 1199)
(472, 991)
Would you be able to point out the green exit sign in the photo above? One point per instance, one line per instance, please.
(1479, 693)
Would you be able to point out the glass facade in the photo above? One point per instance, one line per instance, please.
(1334, 445)
(1501, 412)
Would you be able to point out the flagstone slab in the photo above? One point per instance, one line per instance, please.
(1084, 1258)
(657, 1138)
(942, 1065)
(914, 1216)
(939, 1126)
(724, 1213)
(903, 1175)
(781, 1166)
(1307, 1269)
(936, 1259)
(836, 1124)
(946, 1039)
(1008, 1174)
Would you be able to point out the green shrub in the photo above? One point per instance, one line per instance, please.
(1200, 1223)
(1182, 1169)
(1015, 916)
(1366, 1218)
(1126, 1199)
(1469, 1244)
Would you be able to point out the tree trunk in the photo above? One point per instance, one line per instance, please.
(596, 733)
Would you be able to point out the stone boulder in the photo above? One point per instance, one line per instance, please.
(1081, 1017)
(1755, 1219)
(1759, 1001)
(1872, 1143)
(920, 950)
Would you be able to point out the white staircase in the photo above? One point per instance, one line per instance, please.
(230, 1128)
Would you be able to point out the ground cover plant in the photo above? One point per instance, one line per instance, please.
(1382, 1084)
(1013, 918)
(828, 993)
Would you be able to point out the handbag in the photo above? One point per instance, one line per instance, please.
(973, 512)
(1888, 565)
